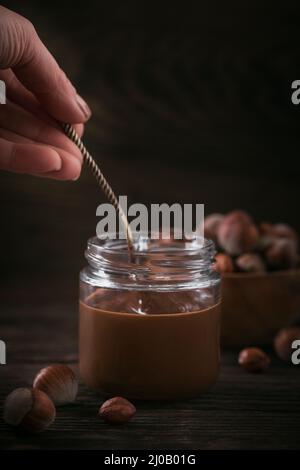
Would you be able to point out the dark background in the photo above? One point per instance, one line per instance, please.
(190, 104)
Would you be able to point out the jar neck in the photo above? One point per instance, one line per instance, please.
(156, 264)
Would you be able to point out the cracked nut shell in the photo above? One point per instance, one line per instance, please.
(29, 409)
(59, 382)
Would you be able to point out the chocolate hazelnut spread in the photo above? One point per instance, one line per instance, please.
(149, 330)
(149, 356)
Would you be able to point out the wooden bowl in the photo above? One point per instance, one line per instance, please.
(256, 306)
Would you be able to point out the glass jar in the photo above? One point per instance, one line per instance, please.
(149, 327)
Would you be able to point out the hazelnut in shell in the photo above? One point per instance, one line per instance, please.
(265, 229)
(29, 409)
(277, 231)
(237, 234)
(250, 263)
(59, 382)
(266, 236)
(283, 342)
(284, 231)
(117, 410)
(211, 226)
(282, 254)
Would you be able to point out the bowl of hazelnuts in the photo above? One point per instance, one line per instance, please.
(260, 269)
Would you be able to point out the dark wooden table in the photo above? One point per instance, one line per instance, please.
(199, 104)
(242, 411)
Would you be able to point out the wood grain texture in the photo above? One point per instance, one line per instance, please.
(242, 411)
(256, 306)
(189, 105)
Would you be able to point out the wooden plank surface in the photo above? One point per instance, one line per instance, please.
(189, 106)
(241, 411)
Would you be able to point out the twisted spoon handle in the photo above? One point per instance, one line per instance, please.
(104, 185)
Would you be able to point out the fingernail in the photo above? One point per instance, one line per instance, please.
(77, 173)
(56, 161)
(83, 106)
(57, 164)
(27, 158)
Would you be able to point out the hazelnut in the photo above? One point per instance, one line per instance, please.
(251, 263)
(266, 236)
(211, 226)
(59, 382)
(117, 410)
(277, 231)
(282, 254)
(254, 360)
(284, 231)
(265, 229)
(237, 234)
(29, 409)
(270, 232)
(283, 342)
(223, 263)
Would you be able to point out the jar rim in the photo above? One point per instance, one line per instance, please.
(144, 245)
(158, 264)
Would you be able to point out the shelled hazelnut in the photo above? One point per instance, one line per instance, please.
(283, 342)
(223, 263)
(254, 360)
(59, 382)
(251, 263)
(237, 233)
(117, 410)
(29, 409)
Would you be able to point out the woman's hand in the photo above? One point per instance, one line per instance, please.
(38, 94)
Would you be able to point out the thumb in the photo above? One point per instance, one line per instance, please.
(23, 51)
